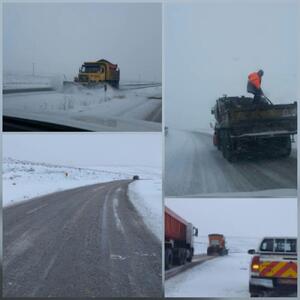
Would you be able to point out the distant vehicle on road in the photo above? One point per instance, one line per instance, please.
(136, 177)
(99, 71)
(244, 127)
(273, 269)
(217, 244)
(179, 239)
(166, 130)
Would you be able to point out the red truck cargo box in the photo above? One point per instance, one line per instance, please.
(175, 226)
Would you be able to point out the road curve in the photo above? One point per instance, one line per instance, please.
(85, 242)
(194, 167)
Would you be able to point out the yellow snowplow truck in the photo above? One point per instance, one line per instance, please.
(97, 72)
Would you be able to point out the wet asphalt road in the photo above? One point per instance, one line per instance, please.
(194, 167)
(84, 242)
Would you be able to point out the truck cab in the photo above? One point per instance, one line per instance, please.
(273, 268)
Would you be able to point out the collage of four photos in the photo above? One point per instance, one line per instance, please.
(149, 149)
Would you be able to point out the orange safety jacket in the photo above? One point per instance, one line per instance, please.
(255, 79)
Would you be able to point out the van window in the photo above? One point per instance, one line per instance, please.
(291, 245)
(267, 245)
(279, 245)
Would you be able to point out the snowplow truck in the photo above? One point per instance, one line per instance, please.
(243, 127)
(179, 239)
(217, 245)
(98, 71)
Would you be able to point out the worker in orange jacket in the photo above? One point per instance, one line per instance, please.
(254, 85)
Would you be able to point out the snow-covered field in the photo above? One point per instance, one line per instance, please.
(80, 103)
(225, 276)
(146, 196)
(23, 180)
(13, 81)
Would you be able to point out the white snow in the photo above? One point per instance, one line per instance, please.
(146, 196)
(225, 276)
(23, 180)
(14, 81)
(77, 102)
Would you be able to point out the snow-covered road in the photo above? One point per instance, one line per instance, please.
(225, 276)
(195, 167)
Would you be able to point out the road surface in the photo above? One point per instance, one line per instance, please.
(225, 276)
(194, 167)
(84, 242)
(197, 260)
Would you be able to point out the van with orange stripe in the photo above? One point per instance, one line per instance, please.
(273, 269)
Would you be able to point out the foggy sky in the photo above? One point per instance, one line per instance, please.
(88, 149)
(212, 46)
(239, 217)
(58, 38)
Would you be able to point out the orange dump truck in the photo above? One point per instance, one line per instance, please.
(217, 244)
(273, 269)
(179, 239)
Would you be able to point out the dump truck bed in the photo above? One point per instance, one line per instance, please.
(243, 118)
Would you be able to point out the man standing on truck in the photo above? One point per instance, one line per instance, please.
(254, 86)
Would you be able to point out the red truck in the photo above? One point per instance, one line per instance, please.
(179, 239)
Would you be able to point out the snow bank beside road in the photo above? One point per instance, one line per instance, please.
(146, 196)
(23, 180)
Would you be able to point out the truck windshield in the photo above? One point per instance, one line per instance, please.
(90, 69)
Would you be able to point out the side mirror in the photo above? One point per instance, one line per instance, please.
(251, 251)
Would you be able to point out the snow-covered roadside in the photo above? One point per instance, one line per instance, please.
(146, 196)
(226, 276)
(23, 180)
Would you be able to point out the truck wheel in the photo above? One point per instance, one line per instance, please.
(286, 151)
(227, 151)
(181, 257)
(190, 254)
(168, 258)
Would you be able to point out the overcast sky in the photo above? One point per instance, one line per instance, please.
(88, 149)
(58, 38)
(239, 217)
(212, 46)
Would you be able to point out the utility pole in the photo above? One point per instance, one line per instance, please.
(32, 69)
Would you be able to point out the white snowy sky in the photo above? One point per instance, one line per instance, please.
(88, 149)
(255, 217)
(59, 37)
(211, 47)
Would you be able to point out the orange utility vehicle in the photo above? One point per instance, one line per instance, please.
(217, 244)
(273, 269)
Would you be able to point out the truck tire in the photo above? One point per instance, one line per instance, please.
(287, 147)
(168, 258)
(180, 258)
(227, 148)
(190, 255)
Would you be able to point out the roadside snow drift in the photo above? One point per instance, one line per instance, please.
(146, 196)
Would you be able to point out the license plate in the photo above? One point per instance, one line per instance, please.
(287, 281)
